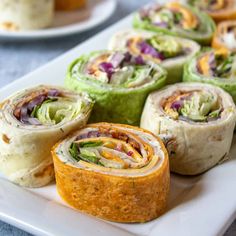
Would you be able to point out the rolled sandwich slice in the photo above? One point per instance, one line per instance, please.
(219, 10)
(115, 172)
(196, 122)
(169, 51)
(26, 14)
(31, 122)
(225, 36)
(217, 67)
(118, 81)
(177, 20)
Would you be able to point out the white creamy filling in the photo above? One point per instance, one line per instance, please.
(230, 40)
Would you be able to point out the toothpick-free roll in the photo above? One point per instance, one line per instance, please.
(169, 51)
(196, 122)
(31, 122)
(115, 172)
(176, 19)
(119, 83)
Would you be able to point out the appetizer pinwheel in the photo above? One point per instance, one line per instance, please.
(225, 36)
(169, 51)
(219, 10)
(196, 122)
(216, 67)
(178, 20)
(31, 122)
(26, 14)
(115, 172)
(118, 81)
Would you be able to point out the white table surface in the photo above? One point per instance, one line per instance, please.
(17, 59)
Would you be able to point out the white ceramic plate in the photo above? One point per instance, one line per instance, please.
(65, 23)
(199, 206)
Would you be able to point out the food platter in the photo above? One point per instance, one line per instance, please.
(193, 200)
(66, 23)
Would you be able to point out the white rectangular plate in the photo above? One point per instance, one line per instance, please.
(202, 205)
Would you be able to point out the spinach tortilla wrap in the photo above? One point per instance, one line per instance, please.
(169, 51)
(115, 172)
(196, 122)
(217, 67)
(118, 81)
(177, 20)
(31, 122)
(219, 10)
(225, 36)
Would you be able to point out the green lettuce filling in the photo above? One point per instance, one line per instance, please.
(85, 151)
(200, 107)
(119, 70)
(141, 75)
(223, 66)
(168, 17)
(56, 110)
(169, 48)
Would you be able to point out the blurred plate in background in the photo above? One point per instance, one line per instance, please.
(66, 23)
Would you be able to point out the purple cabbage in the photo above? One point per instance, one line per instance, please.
(128, 57)
(53, 93)
(27, 108)
(161, 24)
(94, 133)
(146, 48)
(139, 60)
(108, 68)
(118, 60)
(36, 101)
(176, 105)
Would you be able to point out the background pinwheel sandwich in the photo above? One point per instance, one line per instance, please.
(176, 19)
(219, 10)
(225, 36)
(169, 51)
(26, 14)
(217, 67)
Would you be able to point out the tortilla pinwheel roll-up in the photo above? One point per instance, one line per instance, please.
(219, 10)
(117, 81)
(31, 122)
(115, 172)
(177, 20)
(169, 51)
(225, 36)
(18, 15)
(217, 67)
(196, 122)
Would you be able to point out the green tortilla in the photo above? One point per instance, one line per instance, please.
(192, 74)
(203, 35)
(114, 103)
